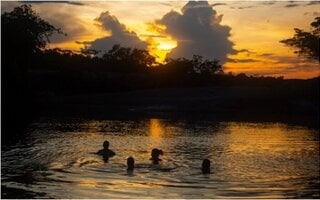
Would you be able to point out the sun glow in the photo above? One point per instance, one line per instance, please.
(166, 46)
(160, 44)
(161, 48)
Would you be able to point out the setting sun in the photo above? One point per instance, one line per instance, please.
(161, 50)
(166, 46)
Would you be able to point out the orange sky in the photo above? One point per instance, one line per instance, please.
(256, 29)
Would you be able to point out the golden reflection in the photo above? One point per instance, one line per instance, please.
(248, 138)
(93, 126)
(156, 129)
(261, 146)
(88, 183)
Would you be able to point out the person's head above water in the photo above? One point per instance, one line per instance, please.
(206, 166)
(106, 152)
(155, 154)
(130, 163)
(106, 144)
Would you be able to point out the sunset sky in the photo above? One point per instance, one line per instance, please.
(244, 36)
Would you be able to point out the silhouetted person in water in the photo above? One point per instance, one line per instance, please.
(155, 155)
(106, 152)
(206, 166)
(130, 163)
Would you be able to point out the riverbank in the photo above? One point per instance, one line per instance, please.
(220, 103)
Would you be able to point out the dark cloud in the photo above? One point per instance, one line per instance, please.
(219, 4)
(78, 3)
(245, 7)
(268, 3)
(198, 31)
(120, 35)
(242, 60)
(166, 4)
(244, 51)
(291, 68)
(267, 54)
(302, 66)
(315, 14)
(153, 36)
(247, 51)
(313, 3)
(279, 59)
(291, 5)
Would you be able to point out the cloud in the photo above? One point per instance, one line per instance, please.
(290, 71)
(166, 4)
(246, 51)
(313, 3)
(78, 3)
(119, 35)
(267, 3)
(315, 14)
(68, 22)
(153, 36)
(242, 60)
(266, 54)
(198, 31)
(291, 5)
(7, 6)
(219, 4)
(245, 7)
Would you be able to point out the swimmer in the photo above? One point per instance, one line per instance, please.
(106, 152)
(130, 163)
(155, 155)
(206, 166)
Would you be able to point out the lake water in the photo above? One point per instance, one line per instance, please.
(248, 160)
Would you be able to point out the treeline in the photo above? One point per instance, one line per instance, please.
(121, 68)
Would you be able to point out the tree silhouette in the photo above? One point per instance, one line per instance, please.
(196, 66)
(208, 67)
(23, 34)
(129, 60)
(306, 43)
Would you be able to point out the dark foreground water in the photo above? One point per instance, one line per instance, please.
(258, 160)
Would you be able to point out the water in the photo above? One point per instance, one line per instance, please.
(250, 160)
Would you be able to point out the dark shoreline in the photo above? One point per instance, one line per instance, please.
(248, 104)
(295, 105)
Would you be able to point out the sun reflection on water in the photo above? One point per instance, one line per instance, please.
(156, 129)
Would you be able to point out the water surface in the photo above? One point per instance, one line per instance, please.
(258, 160)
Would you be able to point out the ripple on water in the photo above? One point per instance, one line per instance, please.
(260, 160)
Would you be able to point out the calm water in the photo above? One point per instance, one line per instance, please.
(259, 160)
